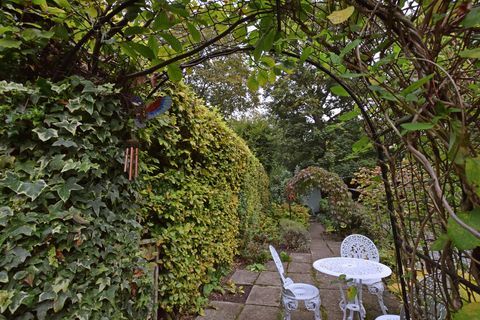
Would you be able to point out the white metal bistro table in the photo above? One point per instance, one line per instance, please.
(356, 269)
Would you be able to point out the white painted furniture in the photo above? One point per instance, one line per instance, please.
(293, 292)
(352, 268)
(358, 246)
(388, 317)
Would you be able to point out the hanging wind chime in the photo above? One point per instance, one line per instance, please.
(153, 109)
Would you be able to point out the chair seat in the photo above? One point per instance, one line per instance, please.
(388, 317)
(302, 291)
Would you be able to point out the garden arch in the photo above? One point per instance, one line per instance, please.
(415, 59)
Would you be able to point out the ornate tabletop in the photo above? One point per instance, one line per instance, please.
(352, 268)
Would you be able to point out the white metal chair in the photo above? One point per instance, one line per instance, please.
(358, 246)
(294, 292)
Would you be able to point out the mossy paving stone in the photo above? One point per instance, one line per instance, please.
(299, 267)
(244, 277)
(265, 296)
(253, 312)
(270, 265)
(302, 278)
(269, 278)
(301, 257)
(222, 311)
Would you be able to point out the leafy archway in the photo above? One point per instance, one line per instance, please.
(342, 210)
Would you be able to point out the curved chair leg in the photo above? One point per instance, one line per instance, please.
(377, 289)
(314, 305)
(289, 305)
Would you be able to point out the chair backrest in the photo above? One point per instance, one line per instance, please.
(429, 299)
(358, 246)
(278, 263)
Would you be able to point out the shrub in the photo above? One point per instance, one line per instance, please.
(205, 197)
(294, 235)
(295, 212)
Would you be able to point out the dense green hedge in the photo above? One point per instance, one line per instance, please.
(203, 191)
(71, 223)
(68, 230)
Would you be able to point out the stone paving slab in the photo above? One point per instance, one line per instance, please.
(269, 278)
(253, 312)
(222, 310)
(270, 265)
(301, 257)
(244, 277)
(324, 281)
(299, 267)
(316, 231)
(265, 296)
(302, 277)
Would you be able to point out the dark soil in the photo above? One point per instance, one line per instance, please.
(227, 296)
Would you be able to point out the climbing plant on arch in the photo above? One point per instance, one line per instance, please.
(343, 211)
(411, 66)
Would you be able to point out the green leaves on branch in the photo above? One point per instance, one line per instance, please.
(461, 238)
(339, 91)
(341, 16)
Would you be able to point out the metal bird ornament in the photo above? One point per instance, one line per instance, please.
(142, 114)
(153, 109)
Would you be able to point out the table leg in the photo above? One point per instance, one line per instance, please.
(360, 301)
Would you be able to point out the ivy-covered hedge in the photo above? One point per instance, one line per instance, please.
(71, 222)
(203, 190)
(69, 237)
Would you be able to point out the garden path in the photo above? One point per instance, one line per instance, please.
(263, 302)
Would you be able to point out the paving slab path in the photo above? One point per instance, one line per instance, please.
(263, 302)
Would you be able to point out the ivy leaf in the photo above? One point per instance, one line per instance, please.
(5, 299)
(416, 126)
(32, 190)
(461, 238)
(340, 16)
(3, 277)
(174, 72)
(472, 53)
(339, 91)
(70, 164)
(11, 181)
(45, 134)
(64, 143)
(17, 300)
(65, 190)
(70, 126)
(5, 212)
(59, 302)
